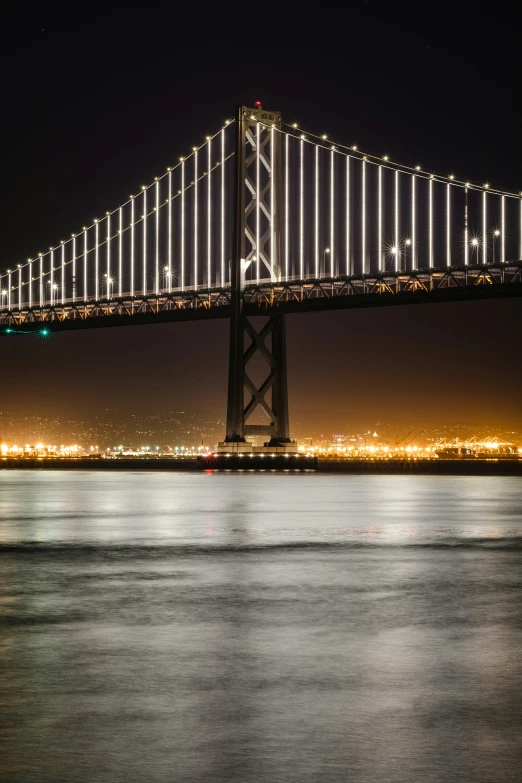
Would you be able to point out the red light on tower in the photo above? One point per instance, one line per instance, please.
(258, 104)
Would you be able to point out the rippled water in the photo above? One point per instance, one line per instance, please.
(259, 627)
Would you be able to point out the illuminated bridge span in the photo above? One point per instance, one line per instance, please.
(265, 219)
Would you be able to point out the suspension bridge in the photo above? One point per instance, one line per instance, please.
(265, 219)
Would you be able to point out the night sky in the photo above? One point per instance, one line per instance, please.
(98, 102)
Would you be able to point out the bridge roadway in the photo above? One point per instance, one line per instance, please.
(290, 296)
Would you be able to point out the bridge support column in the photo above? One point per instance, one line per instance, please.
(271, 395)
(256, 253)
(281, 434)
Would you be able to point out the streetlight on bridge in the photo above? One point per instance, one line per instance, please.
(407, 245)
(53, 290)
(475, 244)
(394, 254)
(496, 234)
(326, 252)
(167, 275)
(108, 281)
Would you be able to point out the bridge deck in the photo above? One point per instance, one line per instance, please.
(289, 296)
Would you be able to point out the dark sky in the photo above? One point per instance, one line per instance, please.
(98, 101)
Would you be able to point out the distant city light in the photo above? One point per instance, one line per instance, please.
(369, 445)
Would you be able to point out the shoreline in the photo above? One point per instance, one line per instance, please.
(451, 467)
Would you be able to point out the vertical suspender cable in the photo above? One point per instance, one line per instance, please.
(348, 237)
(157, 241)
(397, 237)
(182, 227)
(466, 245)
(41, 281)
(287, 207)
(332, 212)
(195, 237)
(430, 223)
(85, 287)
(448, 224)
(169, 233)
(132, 250)
(144, 244)
(96, 258)
(62, 281)
(484, 228)
(74, 267)
(413, 223)
(209, 215)
(301, 208)
(51, 277)
(120, 252)
(380, 221)
(108, 273)
(108, 255)
(503, 229)
(363, 216)
(520, 232)
(223, 207)
(316, 211)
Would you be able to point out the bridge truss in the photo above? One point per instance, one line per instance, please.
(289, 296)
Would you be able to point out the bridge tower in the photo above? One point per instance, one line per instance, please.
(256, 255)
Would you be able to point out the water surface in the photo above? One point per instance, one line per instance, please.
(259, 628)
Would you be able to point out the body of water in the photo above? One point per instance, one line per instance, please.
(259, 627)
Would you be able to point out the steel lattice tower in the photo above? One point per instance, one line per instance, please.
(256, 248)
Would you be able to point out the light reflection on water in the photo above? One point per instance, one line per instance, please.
(259, 627)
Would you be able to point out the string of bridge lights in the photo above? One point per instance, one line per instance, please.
(383, 162)
(386, 162)
(181, 164)
(290, 131)
(353, 152)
